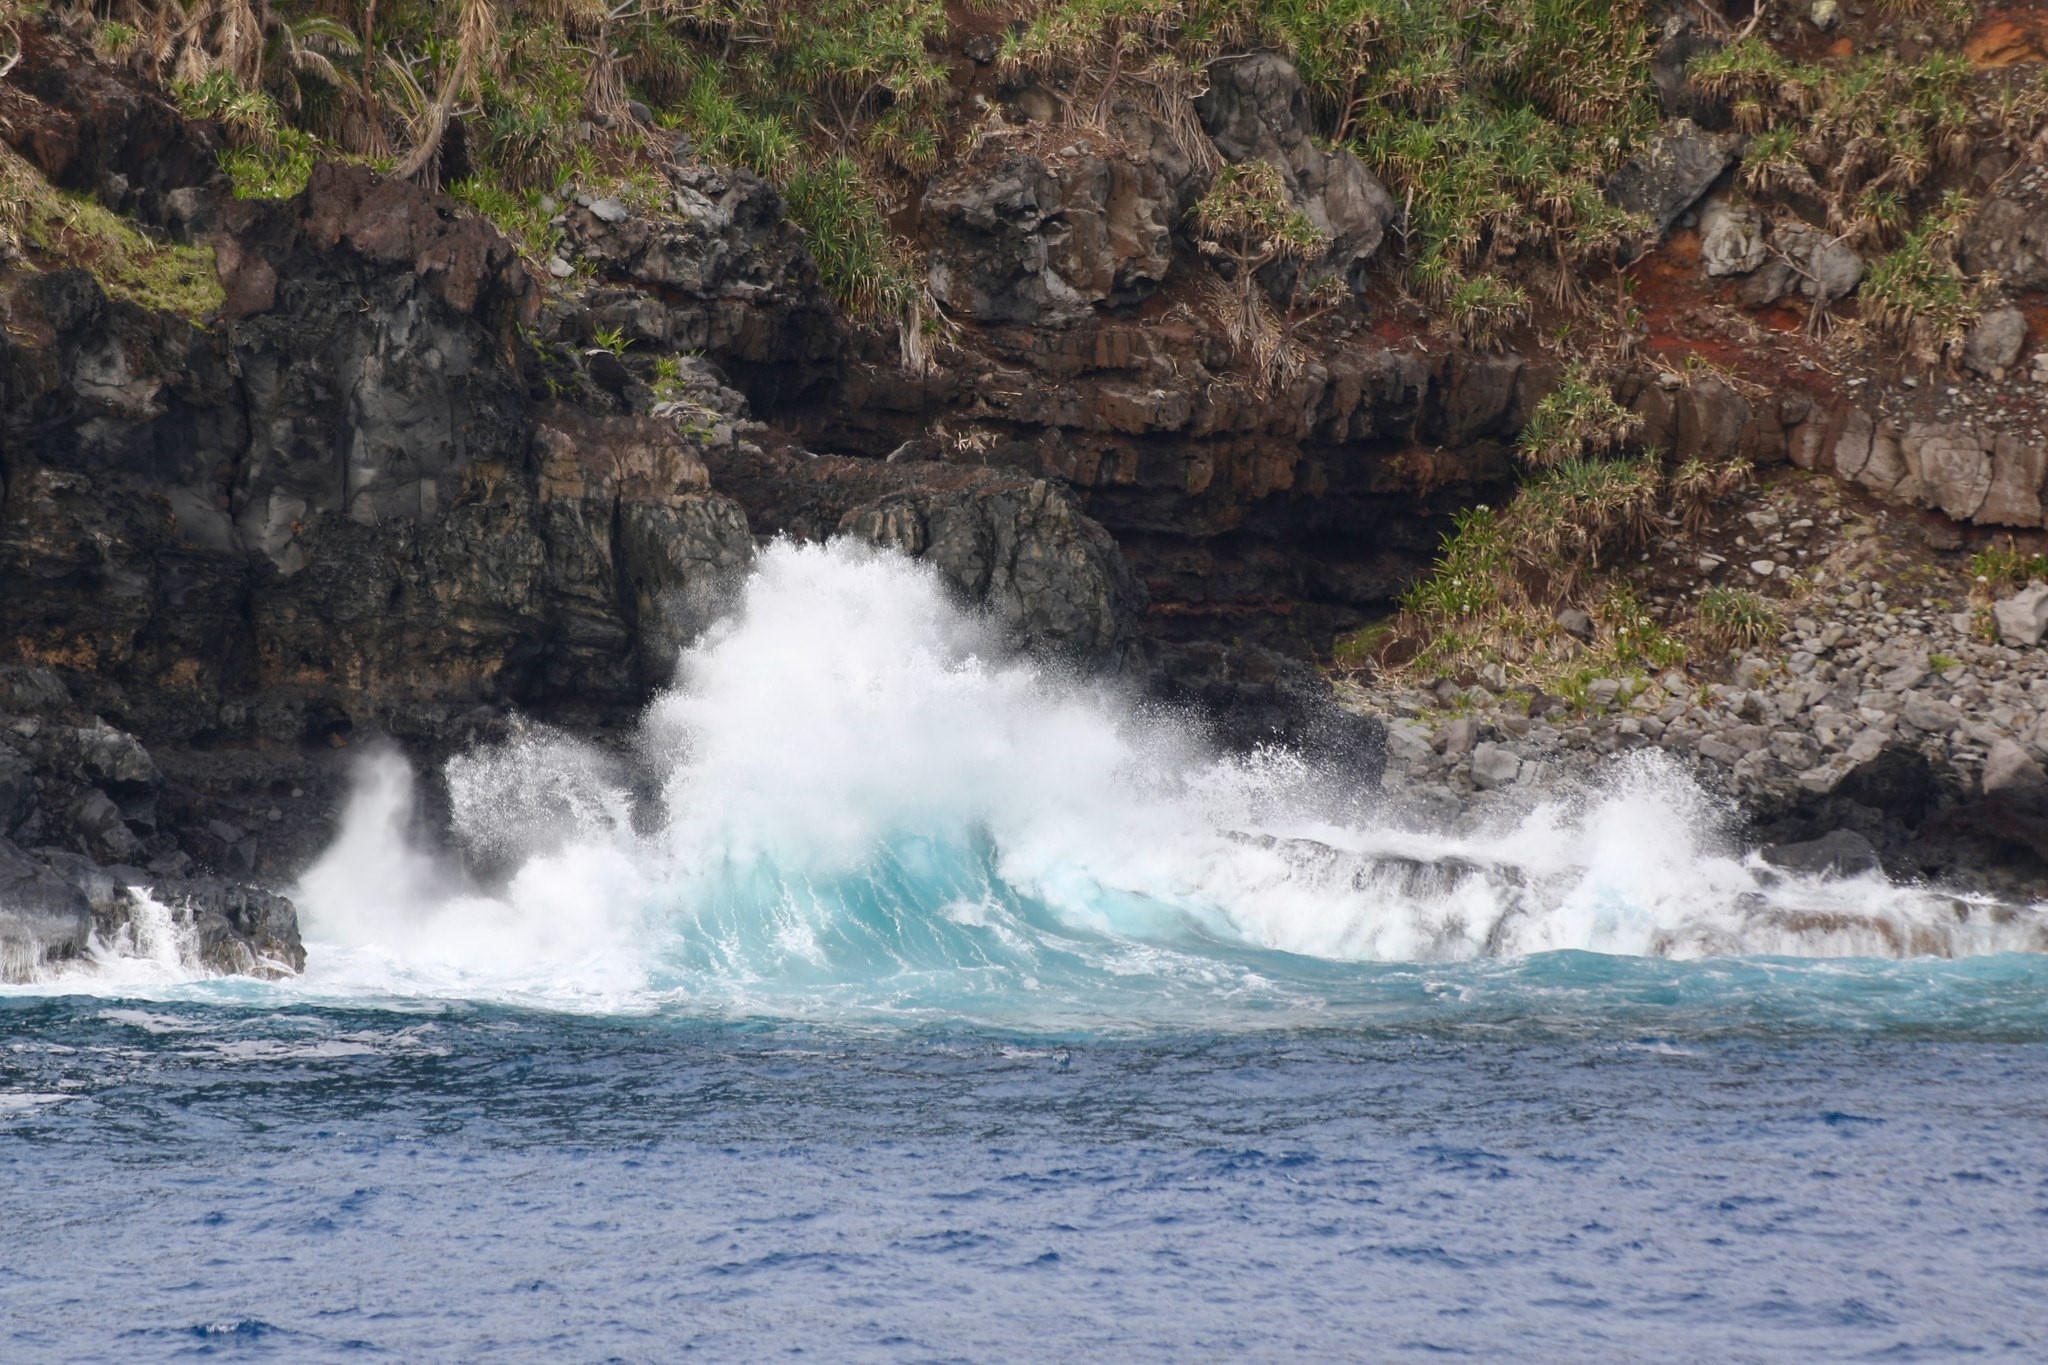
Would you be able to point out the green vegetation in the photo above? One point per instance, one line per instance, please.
(1481, 310)
(871, 272)
(266, 158)
(1997, 570)
(1502, 575)
(1568, 517)
(1918, 295)
(839, 101)
(519, 214)
(1634, 633)
(1247, 220)
(1577, 418)
(1736, 618)
(128, 263)
(1697, 487)
(1494, 124)
(1857, 138)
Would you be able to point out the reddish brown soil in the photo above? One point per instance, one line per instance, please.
(2008, 36)
(1690, 317)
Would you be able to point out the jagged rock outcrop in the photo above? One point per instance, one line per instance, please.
(1256, 109)
(715, 269)
(1671, 173)
(1018, 548)
(43, 918)
(1041, 237)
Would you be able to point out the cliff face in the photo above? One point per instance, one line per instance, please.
(380, 477)
(381, 491)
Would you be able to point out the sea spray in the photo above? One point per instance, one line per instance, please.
(851, 799)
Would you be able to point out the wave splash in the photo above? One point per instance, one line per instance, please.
(851, 798)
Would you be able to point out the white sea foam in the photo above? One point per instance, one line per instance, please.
(850, 793)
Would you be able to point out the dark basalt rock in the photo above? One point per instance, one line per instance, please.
(1256, 109)
(1898, 782)
(1042, 239)
(1670, 174)
(389, 490)
(1843, 853)
(43, 917)
(718, 271)
(1049, 577)
(1254, 696)
(237, 930)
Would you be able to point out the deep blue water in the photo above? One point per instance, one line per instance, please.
(1566, 1159)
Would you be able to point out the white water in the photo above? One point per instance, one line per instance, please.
(856, 799)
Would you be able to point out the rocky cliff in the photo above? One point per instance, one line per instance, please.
(374, 476)
(391, 488)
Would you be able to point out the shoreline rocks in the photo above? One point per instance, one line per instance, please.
(1895, 724)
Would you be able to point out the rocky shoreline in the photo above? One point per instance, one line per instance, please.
(383, 480)
(1882, 718)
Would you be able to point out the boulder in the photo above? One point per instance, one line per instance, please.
(2010, 766)
(2023, 617)
(1257, 109)
(2008, 238)
(43, 918)
(1494, 765)
(237, 930)
(1870, 453)
(1994, 344)
(1950, 465)
(1670, 173)
(1827, 268)
(98, 820)
(1712, 420)
(2018, 469)
(1768, 283)
(1731, 238)
(1842, 853)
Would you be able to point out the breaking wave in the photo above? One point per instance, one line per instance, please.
(851, 802)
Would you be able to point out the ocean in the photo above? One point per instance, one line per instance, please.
(893, 999)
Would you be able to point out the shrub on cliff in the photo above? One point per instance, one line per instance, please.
(1520, 588)
(1494, 124)
(1579, 417)
(550, 91)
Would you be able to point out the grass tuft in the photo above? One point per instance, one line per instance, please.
(1736, 618)
(128, 263)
